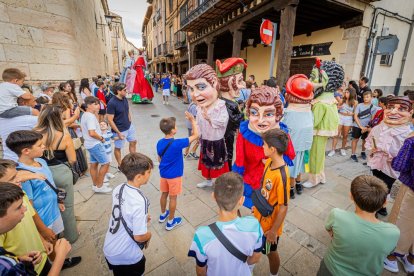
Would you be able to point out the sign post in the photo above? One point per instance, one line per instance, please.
(268, 31)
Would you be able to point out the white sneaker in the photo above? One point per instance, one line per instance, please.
(168, 103)
(106, 179)
(163, 102)
(109, 175)
(207, 183)
(343, 152)
(309, 184)
(390, 265)
(102, 190)
(409, 268)
(331, 153)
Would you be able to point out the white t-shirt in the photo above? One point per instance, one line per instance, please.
(90, 122)
(9, 92)
(9, 125)
(119, 248)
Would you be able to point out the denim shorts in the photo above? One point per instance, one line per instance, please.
(129, 136)
(98, 154)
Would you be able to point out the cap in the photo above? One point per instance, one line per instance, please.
(230, 66)
(300, 87)
(401, 100)
(45, 85)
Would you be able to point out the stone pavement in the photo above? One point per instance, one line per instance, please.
(301, 247)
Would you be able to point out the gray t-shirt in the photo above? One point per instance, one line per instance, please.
(364, 120)
(9, 92)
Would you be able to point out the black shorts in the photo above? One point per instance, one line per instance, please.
(102, 112)
(132, 269)
(273, 247)
(46, 269)
(357, 133)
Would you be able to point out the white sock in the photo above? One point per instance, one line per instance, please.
(165, 213)
(170, 221)
(274, 274)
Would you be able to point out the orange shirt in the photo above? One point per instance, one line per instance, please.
(276, 192)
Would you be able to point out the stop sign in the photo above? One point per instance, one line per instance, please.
(266, 32)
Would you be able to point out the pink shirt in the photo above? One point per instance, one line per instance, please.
(389, 141)
(215, 129)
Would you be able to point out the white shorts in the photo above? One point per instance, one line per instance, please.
(166, 92)
(345, 120)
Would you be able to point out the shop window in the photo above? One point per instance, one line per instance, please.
(386, 60)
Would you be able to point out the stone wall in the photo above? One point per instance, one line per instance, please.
(55, 40)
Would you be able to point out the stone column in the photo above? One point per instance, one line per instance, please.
(237, 40)
(287, 28)
(192, 59)
(210, 51)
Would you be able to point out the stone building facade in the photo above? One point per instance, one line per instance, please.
(56, 40)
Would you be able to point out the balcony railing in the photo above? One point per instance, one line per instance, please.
(168, 49)
(155, 52)
(207, 4)
(159, 49)
(180, 40)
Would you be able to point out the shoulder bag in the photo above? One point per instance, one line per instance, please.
(165, 149)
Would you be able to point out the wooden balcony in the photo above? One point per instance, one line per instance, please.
(180, 40)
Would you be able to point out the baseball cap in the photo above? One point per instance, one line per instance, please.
(45, 85)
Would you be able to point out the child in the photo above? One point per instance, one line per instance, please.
(28, 146)
(245, 233)
(128, 230)
(100, 94)
(166, 85)
(93, 140)
(107, 134)
(275, 188)
(362, 116)
(192, 109)
(360, 241)
(376, 95)
(170, 155)
(10, 90)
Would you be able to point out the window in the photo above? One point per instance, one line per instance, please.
(386, 60)
(170, 2)
(183, 13)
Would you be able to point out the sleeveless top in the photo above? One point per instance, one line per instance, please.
(59, 156)
(346, 108)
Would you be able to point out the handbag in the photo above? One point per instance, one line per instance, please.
(77, 143)
(260, 202)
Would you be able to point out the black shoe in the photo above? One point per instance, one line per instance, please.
(299, 188)
(383, 212)
(363, 155)
(292, 193)
(71, 262)
(353, 157)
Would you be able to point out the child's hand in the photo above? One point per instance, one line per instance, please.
(33, 256)
(148, 218)
(62, 247)
(189, 116)
(270, 236)
(48, 246)
(26, 175)
(48, 235)
(61, 207)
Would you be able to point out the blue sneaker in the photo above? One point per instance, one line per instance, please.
(164, 217)
(176, 221)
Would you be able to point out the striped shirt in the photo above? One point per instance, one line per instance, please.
(108, 135)
(404, 163)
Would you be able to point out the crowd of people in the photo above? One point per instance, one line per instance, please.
(253, 144)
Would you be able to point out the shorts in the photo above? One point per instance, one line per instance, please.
(129, 136)
(109, 155)
(345, 120)
(357, 133)
(102, 112)
(98, 154)
(272, 248)
(173, 186)
(132, 269)
(57, 226)
(16, 112)
(166, 92)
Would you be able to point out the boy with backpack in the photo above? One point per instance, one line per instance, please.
(232, 244)
(271, 200)
(128, 231)
(170, 155)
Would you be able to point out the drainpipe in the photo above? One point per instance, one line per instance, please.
(404, 58)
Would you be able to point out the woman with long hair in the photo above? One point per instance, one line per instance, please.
(72, 93)
(60, 157)
(346, 114)
(84, 90)
(354, 85)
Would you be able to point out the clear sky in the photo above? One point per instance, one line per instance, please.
(133, 13)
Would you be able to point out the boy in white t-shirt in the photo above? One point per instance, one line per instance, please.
(10, 90)
(128, 233)
(93, 142)
(244, 233)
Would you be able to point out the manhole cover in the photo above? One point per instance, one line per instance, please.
(155, 115)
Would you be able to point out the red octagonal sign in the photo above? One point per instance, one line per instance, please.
(266, 32)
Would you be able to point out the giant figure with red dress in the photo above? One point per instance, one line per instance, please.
(142, 92)
(265, 110)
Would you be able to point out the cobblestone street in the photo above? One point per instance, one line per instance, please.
(301, 247)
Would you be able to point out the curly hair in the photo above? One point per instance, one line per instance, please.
(224, 83)
(265, 95)
(203, 71)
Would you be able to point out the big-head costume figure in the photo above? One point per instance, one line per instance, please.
(264, 110)
(212, 119)
(142, 92)
(386, 139)
(327, 77)
(230, 75)
(299, 119)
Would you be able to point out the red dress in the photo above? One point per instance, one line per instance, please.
(141, 85)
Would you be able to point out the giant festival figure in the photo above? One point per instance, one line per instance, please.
(212, 119)
(299, 118)
(230, 75)
(142, 92)
(265, 110)
(329, 76)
